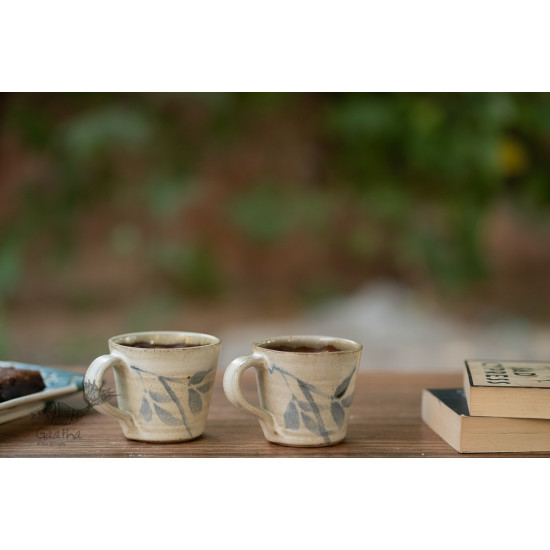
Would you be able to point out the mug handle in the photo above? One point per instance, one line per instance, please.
(232, 389)
(93, 381)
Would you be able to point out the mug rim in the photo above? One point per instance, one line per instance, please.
(116, 340)
(308, 340)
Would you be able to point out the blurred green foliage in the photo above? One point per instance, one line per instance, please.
(395, 180)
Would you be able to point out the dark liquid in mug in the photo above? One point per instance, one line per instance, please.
(303, 349)
(152, 345)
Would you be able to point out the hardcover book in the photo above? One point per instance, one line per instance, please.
(518, 389)
(445, 411)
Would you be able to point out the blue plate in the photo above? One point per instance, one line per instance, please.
(58, 383)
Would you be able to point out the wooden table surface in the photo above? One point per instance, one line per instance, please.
(385, 422)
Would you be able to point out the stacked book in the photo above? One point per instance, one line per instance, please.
(503, 407)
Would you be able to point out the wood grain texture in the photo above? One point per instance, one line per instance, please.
(385, 422)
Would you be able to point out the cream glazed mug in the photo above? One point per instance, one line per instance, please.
(305, 385)
(164, 383)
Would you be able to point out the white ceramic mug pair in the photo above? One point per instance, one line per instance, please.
(165, 380)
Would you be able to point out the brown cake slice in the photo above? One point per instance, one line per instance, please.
(19, 382)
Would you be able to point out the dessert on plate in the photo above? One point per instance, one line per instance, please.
(16, 382)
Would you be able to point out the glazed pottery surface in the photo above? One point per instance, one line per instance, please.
(163, 393)
(305, 396)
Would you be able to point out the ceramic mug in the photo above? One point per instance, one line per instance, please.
(164, 383)
(305, 385)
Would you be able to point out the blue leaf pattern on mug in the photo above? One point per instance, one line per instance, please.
(169, 395)
(320, 426)
(145, 410)
(346, 401)
(305, 406)
(310, 424)
(338, 413)
(159, 397)
(341, 389)
(203, 388)
(309, 409)
(195, 402)
(162, 413)
(198, 377)
(175, 399)
(165, 416)
(292, 419)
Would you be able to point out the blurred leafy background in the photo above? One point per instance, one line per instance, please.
(124, 212)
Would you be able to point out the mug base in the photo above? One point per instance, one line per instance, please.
(151, 440)
(310, 445)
